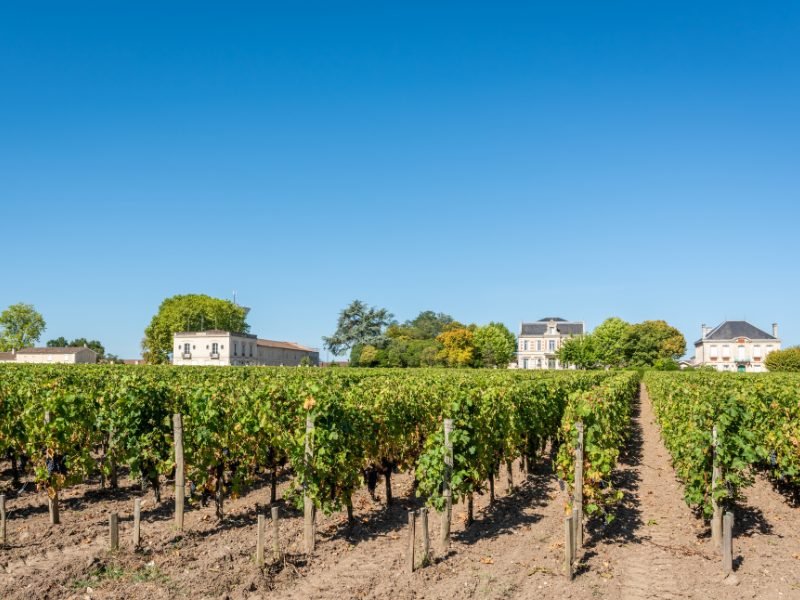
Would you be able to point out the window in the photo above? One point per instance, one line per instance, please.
(726, 351)
(757, 351)
(524, 363)
(186, 349)
(251, 349)
(740, 351)
(538, 345)
(235, 348)
(525, 345)
(215, 348)
(713, 352)
(551, 345)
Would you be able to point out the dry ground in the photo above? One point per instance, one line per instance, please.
(656, 548)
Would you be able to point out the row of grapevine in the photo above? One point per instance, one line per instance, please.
(605, 412)
(74, 421)
(757, 421)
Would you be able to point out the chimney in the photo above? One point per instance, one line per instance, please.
(704, 330)
(775, 330)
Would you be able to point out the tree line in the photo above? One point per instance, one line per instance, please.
(375, 339)
(618, 344)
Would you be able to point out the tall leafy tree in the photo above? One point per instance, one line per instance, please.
(358, 324)
(189, 312)
(495, 345)
(21, 326)
(59, 342)
(652, 341)
(580, 351)
(609, 341)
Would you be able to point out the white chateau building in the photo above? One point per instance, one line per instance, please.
(539, 341)
(735, 346)
(224, 348)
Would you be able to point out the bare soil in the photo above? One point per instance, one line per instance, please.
(655, 548)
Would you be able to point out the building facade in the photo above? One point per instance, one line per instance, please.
(538, 342)
(69, 356)
(224, 348)
(735, 346)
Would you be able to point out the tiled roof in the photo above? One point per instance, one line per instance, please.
(283, 345)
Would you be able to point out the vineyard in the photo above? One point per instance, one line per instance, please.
(335, 441)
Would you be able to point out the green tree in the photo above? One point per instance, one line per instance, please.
(368, 356)
(609, 341)
(59, 342)
(358, 324)
(21, 327)
(784, 360)
(495, 345)
(580, 351)
(189, 312)
(649, 341)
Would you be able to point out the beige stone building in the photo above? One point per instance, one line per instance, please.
(224, 348)
(735, 346)
(70, 356)
(539, 341)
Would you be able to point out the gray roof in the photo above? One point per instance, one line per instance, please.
(563, 327)
(730, 330)
(59, 350)
(553, 319)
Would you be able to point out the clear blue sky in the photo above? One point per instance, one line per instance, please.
(495, 161)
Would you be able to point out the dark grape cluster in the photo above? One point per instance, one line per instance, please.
(56, 464)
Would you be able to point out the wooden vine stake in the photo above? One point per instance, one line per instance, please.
(262, 526)
(510, 477)
(308, 504)
(727, 543)
(716, 475)
(569, 546)
(52, 505)
(426, 540)
(180, 477)
(411, 533)
(137, 523)
(113, 533)
(276, 540)
(2, 520)
(575, 529)
(446, 491)
(578, 491)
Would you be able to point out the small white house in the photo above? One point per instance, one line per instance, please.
(68, 355)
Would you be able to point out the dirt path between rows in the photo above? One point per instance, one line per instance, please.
(655, 548)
